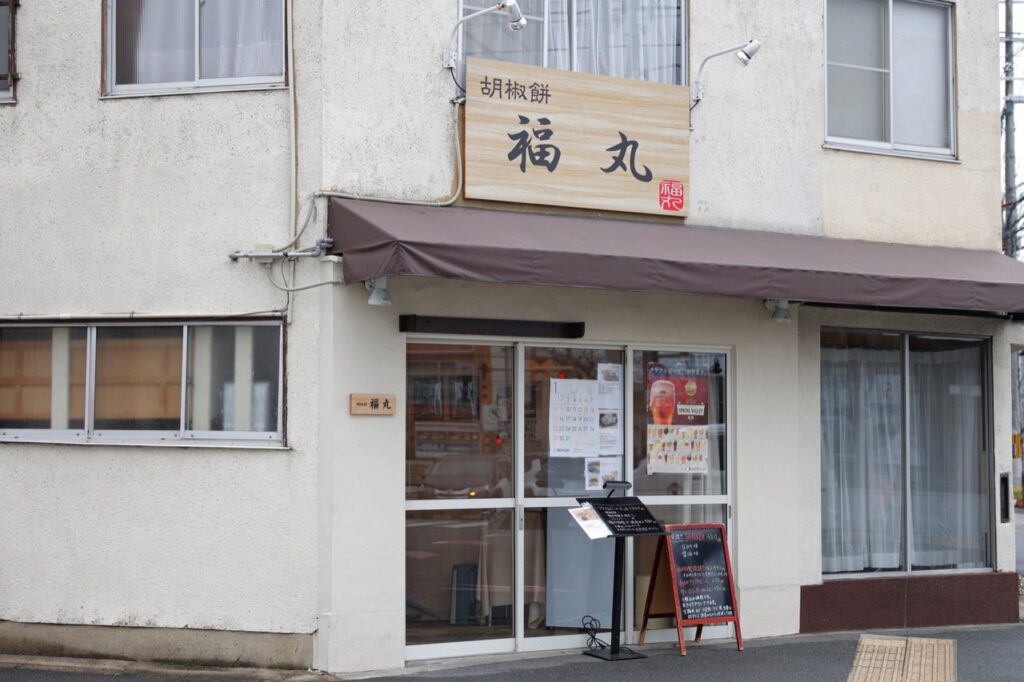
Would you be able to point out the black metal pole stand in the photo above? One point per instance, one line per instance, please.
(614, 653)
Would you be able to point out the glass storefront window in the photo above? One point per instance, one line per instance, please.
(42, 378)
(138, 378)
(233, 377)
(949, 484)
(679, 423)
(459, 575)
(459, 437)
(904, 422)
(571, 386)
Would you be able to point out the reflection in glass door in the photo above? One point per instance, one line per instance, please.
(574, 435)
(460, 566)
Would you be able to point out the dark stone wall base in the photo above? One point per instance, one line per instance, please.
(909, 602)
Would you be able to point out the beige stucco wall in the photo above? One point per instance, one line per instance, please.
(124, 206)
(757, 156)
(367, 625)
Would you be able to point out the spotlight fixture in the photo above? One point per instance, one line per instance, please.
(378, 289)
(779, 308)
(744, 53)
(747, 53)
(516, 22)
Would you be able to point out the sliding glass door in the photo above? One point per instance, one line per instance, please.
(501, 440)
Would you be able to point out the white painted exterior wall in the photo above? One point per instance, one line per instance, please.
(121, 205)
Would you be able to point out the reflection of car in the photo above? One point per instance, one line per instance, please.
(469, 475)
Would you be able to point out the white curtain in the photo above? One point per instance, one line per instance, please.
(862, 465)
(639, 39)
(861, 459)
(241, 38)
(155, 41)
(948, 489)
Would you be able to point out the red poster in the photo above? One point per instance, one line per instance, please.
(675, 399)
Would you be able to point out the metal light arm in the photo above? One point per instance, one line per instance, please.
(698, 85)
(451, 54)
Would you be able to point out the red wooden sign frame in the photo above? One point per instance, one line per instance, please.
(666, 546)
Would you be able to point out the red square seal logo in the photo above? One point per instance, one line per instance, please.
(671, 195)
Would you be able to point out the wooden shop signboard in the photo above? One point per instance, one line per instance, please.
(561, 138)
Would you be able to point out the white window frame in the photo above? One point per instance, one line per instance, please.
(112, 89)
(466, 6)
(894, 148)
(179, 437)
(987, 438)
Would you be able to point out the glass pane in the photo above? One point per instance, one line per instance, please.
(858, 104)
(568, 575)
(862, 526)
(490, 37)
(233, 377)
(644, 549)
(679, 423)
(638, 39)
(154, 41)
(241, 38)
(949, 482)
(459, 431)
(920, 73)
(459, 582)
(858, 32)
(574, 396)
(42, 378)
(5, 44)
(558, 35)
(138, 378)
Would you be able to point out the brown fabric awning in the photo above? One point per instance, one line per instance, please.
(377, 239)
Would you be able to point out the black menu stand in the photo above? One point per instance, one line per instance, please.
(625, 517)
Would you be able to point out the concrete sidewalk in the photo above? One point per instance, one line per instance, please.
(985, 653)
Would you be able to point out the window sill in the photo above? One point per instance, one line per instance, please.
(158, 92)
(148, 443)
(921, 156)
(838, 577)
(7, 100)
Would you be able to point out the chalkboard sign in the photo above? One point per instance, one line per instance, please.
(624, 516)
(701, 577)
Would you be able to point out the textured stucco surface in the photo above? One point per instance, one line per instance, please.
(133, 205)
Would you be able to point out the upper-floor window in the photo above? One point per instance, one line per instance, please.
(638, 39)
(188, 45)
(8, 8)
(152, 383)
(890, 75)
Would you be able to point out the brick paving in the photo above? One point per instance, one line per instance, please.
(899, 659)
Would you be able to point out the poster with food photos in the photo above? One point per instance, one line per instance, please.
(675, 449)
